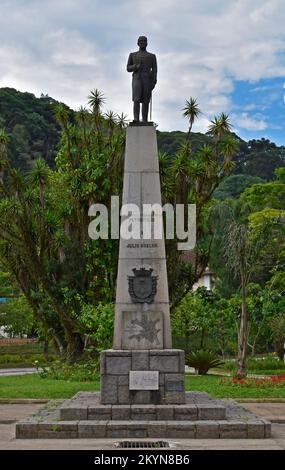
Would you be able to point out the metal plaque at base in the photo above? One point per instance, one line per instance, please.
(143, 380)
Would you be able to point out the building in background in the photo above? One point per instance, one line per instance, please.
(206, 280)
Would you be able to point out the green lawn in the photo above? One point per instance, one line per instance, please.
(212, 384)
(32, 386)
(267, 372)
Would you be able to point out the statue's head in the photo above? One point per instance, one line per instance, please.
(142, 42)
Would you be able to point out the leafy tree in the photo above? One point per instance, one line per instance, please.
(262, 157)
(44, 226)
(16, 317)
(205, 320)
(191, 176)
(242, 249)
(234, 185)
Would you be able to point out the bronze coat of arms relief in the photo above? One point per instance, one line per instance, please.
(142, 286)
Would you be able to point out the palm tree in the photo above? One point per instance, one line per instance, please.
(111, 121)
(228, 147)
(62, 115)
(96, 101)
(219, 127)
(122, 120)
(191, 111)
(180, 170)
(166, 177)
(4, 140)
(39, 178)
(82, 116)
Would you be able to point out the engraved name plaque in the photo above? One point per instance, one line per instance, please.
(143, 380)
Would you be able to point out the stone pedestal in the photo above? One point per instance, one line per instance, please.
(142, 323)
(153, 376)
(142, 353)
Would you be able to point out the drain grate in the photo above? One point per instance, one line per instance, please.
(142, 444)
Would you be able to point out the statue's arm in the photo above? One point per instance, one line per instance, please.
(154, 71)
(131, 67)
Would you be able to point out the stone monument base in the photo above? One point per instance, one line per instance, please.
(201, 417)
(153, 376)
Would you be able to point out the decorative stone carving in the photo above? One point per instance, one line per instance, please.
(142, 330)
(142, 286)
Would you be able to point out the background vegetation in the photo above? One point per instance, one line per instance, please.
(54, 163)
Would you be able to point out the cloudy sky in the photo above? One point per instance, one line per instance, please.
(229, 54)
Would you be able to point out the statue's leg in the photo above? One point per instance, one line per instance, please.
(145, 106)
(136, 110)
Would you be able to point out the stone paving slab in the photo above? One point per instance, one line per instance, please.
(275, 412)
(239, 424)
(11, 413)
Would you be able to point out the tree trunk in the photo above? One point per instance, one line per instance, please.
(58, 344)
(75, 347)
(46, 349)
(202, 338)
(242, 339)
(279, 349)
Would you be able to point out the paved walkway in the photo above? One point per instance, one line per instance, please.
(11, 413)
(275, 412)
(22, 371)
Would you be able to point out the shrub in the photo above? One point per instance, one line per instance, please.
(80, 372)
(269, 362)
(202, 361)
(25, 358)
(230, 365)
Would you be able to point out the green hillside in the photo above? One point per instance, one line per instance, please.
(34, 132)
(31, 125)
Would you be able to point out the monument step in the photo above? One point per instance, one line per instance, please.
(239, 422)
(86, 406)
(142, 412)
(219, 429)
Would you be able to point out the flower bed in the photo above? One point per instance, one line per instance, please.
(266, 382)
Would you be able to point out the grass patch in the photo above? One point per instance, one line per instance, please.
(267, 372)
(212, 385)
(33, 386)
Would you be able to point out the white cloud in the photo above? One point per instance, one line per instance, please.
(65, 48)
(244, 121)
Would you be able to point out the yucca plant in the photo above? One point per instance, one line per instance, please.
(202, 361)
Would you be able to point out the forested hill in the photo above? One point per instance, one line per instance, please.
(31, 125)
(34, 132)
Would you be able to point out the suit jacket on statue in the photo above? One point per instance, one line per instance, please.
(144, 79)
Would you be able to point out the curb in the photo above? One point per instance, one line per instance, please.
(259, 400)
(23, 401)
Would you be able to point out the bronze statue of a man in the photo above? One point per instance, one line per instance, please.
(144, 67)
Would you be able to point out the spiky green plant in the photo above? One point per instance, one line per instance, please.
(202, 361)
